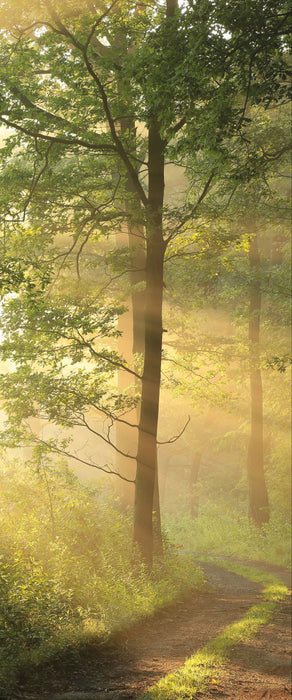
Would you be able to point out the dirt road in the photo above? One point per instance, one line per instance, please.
(151, 649)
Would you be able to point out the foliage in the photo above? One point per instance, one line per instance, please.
(75, 81)
(220, 530)
(75, 73)
(63, 365)
(67, 578)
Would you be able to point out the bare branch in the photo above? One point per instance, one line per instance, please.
(59, 451)
(118, 365)
(106, 439)
(113, 417)
(176, 437)
(195, 207)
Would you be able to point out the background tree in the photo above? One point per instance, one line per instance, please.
(189, 77)
(218, 300)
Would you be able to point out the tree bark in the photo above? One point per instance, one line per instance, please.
(147, 440)
(131, 323)
(258, 495)
(140, 261)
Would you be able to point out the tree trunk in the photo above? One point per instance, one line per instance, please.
(147, 440)
(258, 495)
(193, 481)
(125, 435)
(131, 323)
(147, 466)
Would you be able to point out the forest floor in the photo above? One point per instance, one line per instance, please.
(140, 656)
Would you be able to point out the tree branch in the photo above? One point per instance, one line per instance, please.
(105, 439)
(119, 148)
(43, 112)
(179, 125)
(176, 437)
(36, 180)
(102, 147)
(195, 207)
(98, 21)
(59, 451)
(118, 365)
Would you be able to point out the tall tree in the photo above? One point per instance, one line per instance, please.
(239, 281)
(258, 495)
(188, 77)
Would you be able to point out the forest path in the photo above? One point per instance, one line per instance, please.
(153, 648)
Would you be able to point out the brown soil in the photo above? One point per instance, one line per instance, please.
(137, 658)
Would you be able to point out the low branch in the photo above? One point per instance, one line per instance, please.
(176, 437)
(102, 147)
(95, 353)
(86, 344)
(194, 208)
(39, 110)
(113, 417)
(64, 453)
(105, 439)
(116, 277)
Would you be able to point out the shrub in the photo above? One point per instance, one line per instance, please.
(66, 575)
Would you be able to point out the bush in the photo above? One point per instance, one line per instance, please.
(66, 575)
(219, 530)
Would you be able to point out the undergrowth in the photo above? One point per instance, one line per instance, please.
(223, 531)
(66, 571)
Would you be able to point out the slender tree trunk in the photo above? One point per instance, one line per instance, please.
(126, 437)
(147, 467)
(147, 441)
(193, 481)
(131, 323)
(258, 495)
(136, 242)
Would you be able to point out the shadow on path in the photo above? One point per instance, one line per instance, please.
(138, 657)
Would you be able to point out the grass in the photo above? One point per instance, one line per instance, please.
(222, 531)
(206, 665)
(66, 574)
(67, 580)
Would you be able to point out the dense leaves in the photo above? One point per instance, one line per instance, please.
(66, 578)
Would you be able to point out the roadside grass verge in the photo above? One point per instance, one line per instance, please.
(67, 580)
(206, 665)
(221, 531)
